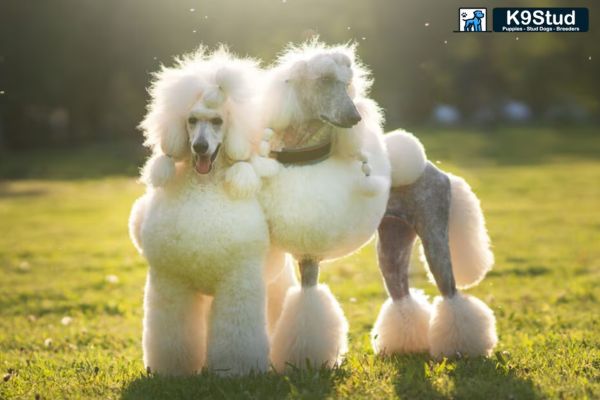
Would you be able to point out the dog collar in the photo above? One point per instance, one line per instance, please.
(303, 156)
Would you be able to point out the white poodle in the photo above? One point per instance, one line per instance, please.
(199, 225)
(330, 195)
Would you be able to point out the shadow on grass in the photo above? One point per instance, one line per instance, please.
(532, 271)
(310, 383)
(469, 378)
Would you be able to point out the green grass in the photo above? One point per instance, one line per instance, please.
(63, 221)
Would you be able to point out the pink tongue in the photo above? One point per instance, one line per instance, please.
(203, 165)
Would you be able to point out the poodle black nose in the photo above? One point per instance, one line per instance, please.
(200, 146)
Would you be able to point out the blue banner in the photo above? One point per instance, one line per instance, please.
(541, 19)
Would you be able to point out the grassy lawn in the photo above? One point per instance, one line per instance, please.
(71, 282)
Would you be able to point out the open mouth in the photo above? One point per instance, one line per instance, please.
(203, 163)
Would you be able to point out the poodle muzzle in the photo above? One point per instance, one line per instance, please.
(203, 163)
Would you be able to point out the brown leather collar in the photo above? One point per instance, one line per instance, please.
(303, 156)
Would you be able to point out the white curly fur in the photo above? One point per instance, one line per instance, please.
(407, 157)
(470, 245)
(312, 329)
(197, 240)
(136, 217)
(158, 171)
(461, 325)
(402, 325)
(328, 209)
(241, 180)
(265, 167)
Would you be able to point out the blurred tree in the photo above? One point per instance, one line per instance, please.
(76, 70)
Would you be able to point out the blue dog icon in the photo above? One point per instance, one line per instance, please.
(474, 24)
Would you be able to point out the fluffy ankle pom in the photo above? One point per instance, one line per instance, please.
(241, 181)
(312, 327)
(462, 325)
(402, 325)
(158, 171)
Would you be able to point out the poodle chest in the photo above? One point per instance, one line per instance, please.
(320, 210)
(202, 236)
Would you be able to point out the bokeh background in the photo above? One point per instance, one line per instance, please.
(74, 71)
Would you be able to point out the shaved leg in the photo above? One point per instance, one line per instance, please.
(394, 247)
(432, 227)
(309, 272)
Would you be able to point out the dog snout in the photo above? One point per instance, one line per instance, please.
(200, 145)
(354, 117)
(349, 118)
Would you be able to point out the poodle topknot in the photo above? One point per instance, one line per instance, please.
(313, 60)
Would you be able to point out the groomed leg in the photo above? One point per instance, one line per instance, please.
(460, 324)
(174, 338)
(237, 341)
(312, 328)
(403, 321)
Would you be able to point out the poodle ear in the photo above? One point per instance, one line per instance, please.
(284, 105)
(174, 140)
(238, 145)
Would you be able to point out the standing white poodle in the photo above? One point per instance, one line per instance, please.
(330, 195)
(199, 225)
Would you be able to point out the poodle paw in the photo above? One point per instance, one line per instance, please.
(241, 181)
(265, 167)
(402, 325)
(463, 325)
(312, 329)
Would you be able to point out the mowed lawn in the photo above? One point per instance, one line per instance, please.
(71, 283)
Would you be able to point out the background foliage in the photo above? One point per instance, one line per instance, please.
(75, 70)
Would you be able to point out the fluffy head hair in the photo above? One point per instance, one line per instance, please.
(218, 79)
(308, 59)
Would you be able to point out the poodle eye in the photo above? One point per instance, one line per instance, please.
(217, 121)
(192, 120)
